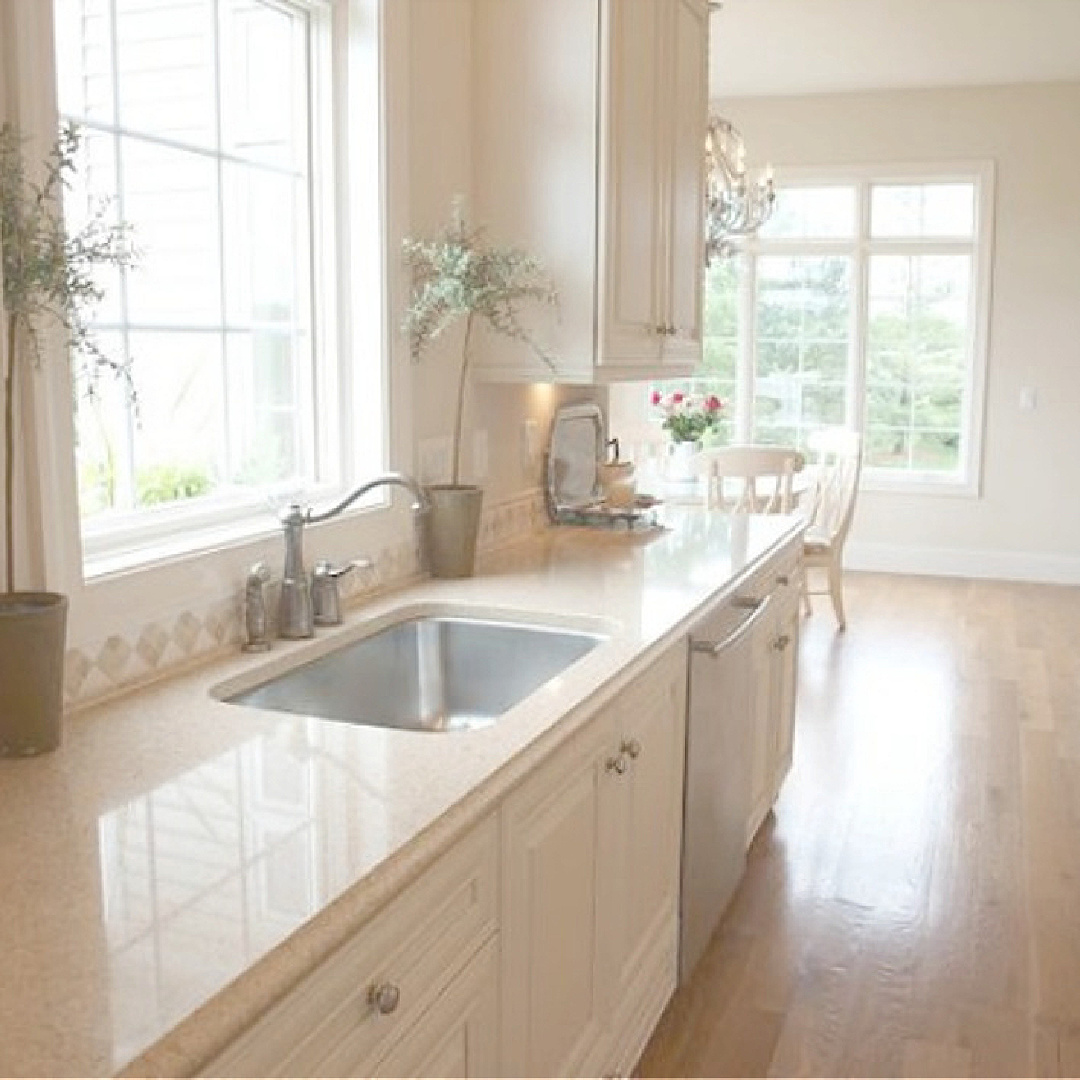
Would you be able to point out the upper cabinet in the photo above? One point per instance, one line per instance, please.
(588, 149)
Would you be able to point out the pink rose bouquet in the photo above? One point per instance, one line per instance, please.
(687, 417)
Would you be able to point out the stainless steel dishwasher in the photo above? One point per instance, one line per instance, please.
(719, 751)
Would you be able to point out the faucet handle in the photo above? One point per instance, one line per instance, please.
(258, 574)
(325, 594)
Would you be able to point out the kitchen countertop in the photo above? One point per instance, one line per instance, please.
(162, 871)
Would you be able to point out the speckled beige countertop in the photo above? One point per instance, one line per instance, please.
(179, 863)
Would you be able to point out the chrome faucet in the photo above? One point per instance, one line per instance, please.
(296, 616)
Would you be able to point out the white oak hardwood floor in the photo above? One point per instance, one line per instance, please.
(912, 907)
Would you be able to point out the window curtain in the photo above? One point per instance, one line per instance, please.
(46, 516)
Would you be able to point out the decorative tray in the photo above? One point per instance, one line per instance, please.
(641, 514)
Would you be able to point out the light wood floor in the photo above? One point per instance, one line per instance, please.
(913, 907)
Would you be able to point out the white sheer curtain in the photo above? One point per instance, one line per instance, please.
(46, 525)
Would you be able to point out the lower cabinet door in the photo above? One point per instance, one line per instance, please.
(785, 683)
(459, 1034)
(763, 724)
(641, 814)
(552, 1001)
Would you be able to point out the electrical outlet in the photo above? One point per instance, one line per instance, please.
(434, 457)
(480, 455)
(530, 445)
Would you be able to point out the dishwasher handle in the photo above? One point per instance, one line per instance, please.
(713, 649)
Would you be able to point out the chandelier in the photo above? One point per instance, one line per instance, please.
(735, 204)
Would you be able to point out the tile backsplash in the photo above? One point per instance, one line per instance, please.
(96, 670)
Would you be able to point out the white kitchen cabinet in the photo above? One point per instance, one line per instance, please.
(590, 125)
(553, 1014)
(459, 1033)
(785, 679)
(545, 940)
(383, 996)
(641, 847)
(590, 887)
(774, 673)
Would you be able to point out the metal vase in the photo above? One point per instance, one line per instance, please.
(32, 629)
(453, 523)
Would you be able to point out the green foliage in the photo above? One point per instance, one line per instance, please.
(915, 360)
(48, 276)
(48, 271)
(458, 275)
(169, 483)
(688, 417)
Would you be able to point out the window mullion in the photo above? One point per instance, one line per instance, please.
(219, 170)
(128, 486)
(747, 362)
(860, 315)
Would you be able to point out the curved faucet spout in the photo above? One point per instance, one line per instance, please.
(295, 609)
(420, 500)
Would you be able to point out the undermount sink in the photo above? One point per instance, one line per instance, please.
(432, 673)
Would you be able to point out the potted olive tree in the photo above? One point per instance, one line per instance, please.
(456, 276)
(48, 280)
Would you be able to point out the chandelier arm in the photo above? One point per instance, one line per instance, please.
(735, 205)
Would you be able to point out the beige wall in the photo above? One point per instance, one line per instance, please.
(440, 148)
(1026, 523)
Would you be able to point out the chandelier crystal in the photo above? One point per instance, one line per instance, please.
(735, 205)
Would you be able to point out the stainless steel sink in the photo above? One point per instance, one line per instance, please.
(433, 673)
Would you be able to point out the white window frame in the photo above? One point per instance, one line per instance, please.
(128, 539)
(194, 571)
(980, 246)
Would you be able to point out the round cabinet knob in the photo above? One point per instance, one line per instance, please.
(781, 643)
(616, 765)
(384, 997)
(631, 747)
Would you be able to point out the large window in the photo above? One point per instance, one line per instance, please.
(863, 303)
(206, 125)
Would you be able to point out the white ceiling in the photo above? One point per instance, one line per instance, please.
(821, 46)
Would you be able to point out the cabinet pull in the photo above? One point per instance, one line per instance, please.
(384, 997)
(747, 603)
(713, 649)
(783, 579)
(630, 747)
(616, 765)
(781, 643)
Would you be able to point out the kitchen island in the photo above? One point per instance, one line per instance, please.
(181, 864)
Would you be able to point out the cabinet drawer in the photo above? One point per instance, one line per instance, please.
(327, 1025)
(784, 570)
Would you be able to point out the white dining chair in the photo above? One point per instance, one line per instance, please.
(751, 479)
(829, 506)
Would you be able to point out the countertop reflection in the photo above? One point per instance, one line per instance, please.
(174, 844)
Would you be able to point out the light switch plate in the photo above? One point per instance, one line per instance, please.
(1029, 398)
(530, 445)
(480, 455)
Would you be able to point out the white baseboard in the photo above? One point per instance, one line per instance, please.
(957, 562)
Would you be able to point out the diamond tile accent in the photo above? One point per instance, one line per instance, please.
(186, 632)
(151, 645)
(113, 658)
(76, 668)
(146, 651)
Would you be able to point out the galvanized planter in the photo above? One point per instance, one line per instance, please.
(32, 630)
(451, 529)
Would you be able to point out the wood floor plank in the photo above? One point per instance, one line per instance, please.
(912, 906)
